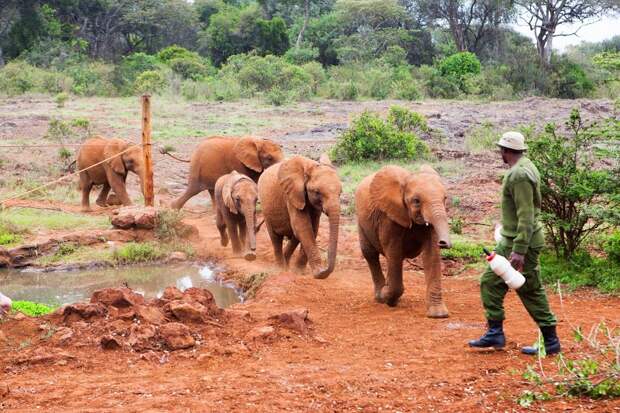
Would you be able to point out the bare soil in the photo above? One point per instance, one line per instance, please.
(352, 354)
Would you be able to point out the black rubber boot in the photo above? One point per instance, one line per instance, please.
(494, 337)
(552, 342)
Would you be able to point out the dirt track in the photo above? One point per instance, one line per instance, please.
(357, 356)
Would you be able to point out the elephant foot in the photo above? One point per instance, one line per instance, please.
(224, 241)
(102, 204)
(390, 297)
(378, 297)
(437, 311)
(250, 256)
(86, 209)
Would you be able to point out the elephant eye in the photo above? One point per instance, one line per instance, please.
(416, 202)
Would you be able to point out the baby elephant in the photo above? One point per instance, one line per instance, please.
(235, 205)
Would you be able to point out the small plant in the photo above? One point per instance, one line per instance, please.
(252, 283)
(464, 251)
(456, 201)
(612, 247)
(481, 138)
(459, 65)
(64, 154)
(276, 97)
(407, 121)
(134, 252)
(81, 123)
(456, 225)
(169, 225)
(150, 81)
(9, 239)
(32, 309)
(61, 99)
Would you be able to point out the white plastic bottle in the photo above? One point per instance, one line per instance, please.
(501, 266)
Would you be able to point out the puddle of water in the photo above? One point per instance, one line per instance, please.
(64, 287)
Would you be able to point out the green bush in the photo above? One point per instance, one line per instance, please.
(60, 99)
(581, 270)
(570, 81)
(18, 77)
(394, 56)
(439, 86)
(133, 252)
(370, 138)
(150, 81)
(32, 309)
(301, 55)
(130, 68)
(92, 79)
(379, 83)
(459, 65)
(176, 52)
(191, 68)
(612, 247)
(406, 120)
(316, 75)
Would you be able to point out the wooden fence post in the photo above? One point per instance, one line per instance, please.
(149, 191)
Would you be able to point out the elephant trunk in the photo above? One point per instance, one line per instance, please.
(439, 220)
(334, 224)
(250, 225)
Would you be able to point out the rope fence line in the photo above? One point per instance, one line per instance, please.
(62, 178)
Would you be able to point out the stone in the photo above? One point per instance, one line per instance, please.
(109, 342)
(146, 218)
(296, 320)
(151, 315)
(63, 335)
(177, 256)
(119, 327)
(172, 293)
(3, 337)
(187, 312)
(200, 295)
(117, 297)
(234, 313)
(141, 337)
(123, 221)
(263, 333)
(83, 311)
(176, 336)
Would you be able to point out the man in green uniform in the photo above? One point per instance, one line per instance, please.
(522, 240)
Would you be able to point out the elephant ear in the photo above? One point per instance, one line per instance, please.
(227, 191)
(293, 175)
(387, 192)
(246, 151)
(113, 148)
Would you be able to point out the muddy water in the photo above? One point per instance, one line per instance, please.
(62, 287)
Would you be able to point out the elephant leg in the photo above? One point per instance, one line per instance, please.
(290, 249)
(276, 242)
(86, 185)
(193, 188)
(432, 273)
(372, 258)
(221, 227)
(391, 292)
(302, 259)
(117, 182)
(233, 234)
(242, 231)
(103, 195)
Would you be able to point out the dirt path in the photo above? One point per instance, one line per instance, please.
(359, 355)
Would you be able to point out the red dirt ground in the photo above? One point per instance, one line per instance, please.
(357, 356)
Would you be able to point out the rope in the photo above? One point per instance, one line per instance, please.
(19, 195)
(50, 145)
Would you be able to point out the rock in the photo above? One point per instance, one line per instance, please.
(109, 342)
(113, 199)
(202, 296)
(117, 297)
(63, 335)
(3, 337)
(234, 313)
(147, 218)
(42, 356)
(83, 311)
(138, 216)
(264, 333)
(176, 336)
(19, 316)
(141, 337)
(151, 315)
(123, 221)
(119, 327)
(296, 320)
(187, 312)
(172, 293)
(177, 256)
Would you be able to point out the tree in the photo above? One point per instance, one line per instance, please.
(473, 24)
(9, 14)
(544, 17)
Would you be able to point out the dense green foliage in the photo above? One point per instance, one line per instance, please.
(367, 49)
(581, 270)
(580, 196)
(372, 138)
(32, 309)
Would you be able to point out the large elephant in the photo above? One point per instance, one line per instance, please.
(112, 173)
(401, 215)
(235, 205)
(218, 156)
(293, 194)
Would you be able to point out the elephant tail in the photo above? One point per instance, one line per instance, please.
(165, 151)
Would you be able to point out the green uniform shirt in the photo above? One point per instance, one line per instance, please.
(521, 207)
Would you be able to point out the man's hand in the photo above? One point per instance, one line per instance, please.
(517, 261)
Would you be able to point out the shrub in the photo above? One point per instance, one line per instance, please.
(407, 90)
(130, 68)
(570, 81)
(277, 97)
(190, 68)
(379, 82)
(316, 75)
(438, 86)
(459, 65)
(150, 81)
(176, 52)
(407, 121)
(612, 247)
(301, 55)
(394, 56)
(60, 99)
(133, 252)
(481, 138)
(370, 138)
(456, 225)
(169, 222)
(92, 79)
(32, 309)
(580, 196)
(581, 270)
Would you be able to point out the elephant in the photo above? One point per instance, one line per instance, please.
(5, 304)
(235, 205)
(112, 174)
(293, 194)
(402, 215)
(217, 156)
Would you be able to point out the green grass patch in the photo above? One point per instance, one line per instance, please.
(467, 252)
(32, 309)
(69, 253)
(134, 252)
(482, 138)
(36, 219)
(582, 270)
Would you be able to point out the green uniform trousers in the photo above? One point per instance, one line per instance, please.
(493, 289)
